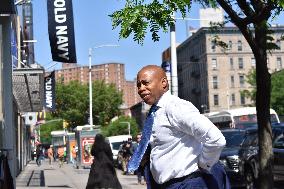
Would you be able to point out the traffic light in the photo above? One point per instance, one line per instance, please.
(65, 124)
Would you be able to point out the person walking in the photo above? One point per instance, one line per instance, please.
(50, 154)
(140, 170)
(102, 173)
(74, 155)
(60, 154)
(184, 144)
(39, 154)
(126, 154)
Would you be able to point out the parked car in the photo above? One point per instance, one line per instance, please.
(240, 156)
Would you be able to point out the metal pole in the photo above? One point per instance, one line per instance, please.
(90, 81)
(90, 89)
(174, 59)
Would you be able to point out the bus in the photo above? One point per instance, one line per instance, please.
(239, 118)
(58, 138)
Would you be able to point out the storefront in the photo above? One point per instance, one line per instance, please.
(7, 129)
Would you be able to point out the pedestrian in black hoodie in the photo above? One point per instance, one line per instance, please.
(102, 173)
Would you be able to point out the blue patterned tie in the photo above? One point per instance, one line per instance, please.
(135, 160)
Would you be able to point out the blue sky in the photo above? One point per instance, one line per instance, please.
(93, 28)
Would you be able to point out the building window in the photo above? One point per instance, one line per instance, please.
(230, 44)
(268, 63)
(241, 63)
(216, 100)
(240, 45)
(233, 99)
(278, 43)
(243, 99)
(215, 82)
(279, 63)
(253, 62)
(232, 81)
(213, 46)
(242, 81)
(214, 63)
(231, 64)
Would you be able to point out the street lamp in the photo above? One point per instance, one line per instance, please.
(128, 124)
(90, 80)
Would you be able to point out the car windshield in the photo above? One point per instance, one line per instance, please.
(245, 125)
(233, 138)
(115, 145)
(252, 119)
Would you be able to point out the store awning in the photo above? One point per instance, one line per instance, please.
(28, 89)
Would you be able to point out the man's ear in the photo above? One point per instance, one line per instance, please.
(164, 82)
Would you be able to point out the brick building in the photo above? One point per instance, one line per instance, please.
(110, 73)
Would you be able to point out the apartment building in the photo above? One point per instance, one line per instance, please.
(131, 93)
(110, 73)
(212, 78)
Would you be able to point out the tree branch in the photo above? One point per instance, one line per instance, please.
(263, 14)
(239, 22)
(256, 5)
(249, 12)
(228, 8)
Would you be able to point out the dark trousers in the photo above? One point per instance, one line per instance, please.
(217, 179)
(140, 174)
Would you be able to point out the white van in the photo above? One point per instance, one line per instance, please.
(239, 118)
(115, 142)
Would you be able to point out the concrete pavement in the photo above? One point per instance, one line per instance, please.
(51, 176)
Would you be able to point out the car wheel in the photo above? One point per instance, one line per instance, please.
(250, 180)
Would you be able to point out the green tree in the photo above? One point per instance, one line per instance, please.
(252, 19)
(119, 127)
(71, 103)
(45, 130)
(251, 94)
(106, 102)
(277, 92)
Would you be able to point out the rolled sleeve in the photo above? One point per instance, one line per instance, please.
(191, 122)
(212, 148)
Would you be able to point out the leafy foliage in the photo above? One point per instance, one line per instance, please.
(137, 16)
(72, 103)
(106, 102)
(251, 80)
(45, 130)
(119, 128)
(277, 92)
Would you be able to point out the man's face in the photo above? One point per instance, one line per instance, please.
(150, 86)
(138, 138)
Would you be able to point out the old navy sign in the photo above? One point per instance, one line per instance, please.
(61, 31)
(49, 91)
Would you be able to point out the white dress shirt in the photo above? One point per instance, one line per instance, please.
(182, 139)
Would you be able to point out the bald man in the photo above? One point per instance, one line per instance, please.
(184, 144)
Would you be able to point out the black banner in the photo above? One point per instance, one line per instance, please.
(61, 31)
(49, 91)
(7, 7)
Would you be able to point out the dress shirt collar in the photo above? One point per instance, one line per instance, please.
(164, 99)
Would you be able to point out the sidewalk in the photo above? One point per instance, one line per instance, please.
(46, 176)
